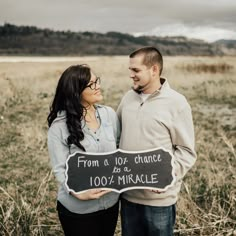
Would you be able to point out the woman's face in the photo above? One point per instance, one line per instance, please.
(92, 93)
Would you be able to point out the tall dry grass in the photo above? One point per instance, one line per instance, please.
(207, 203)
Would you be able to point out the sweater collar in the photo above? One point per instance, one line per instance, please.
(62, 114)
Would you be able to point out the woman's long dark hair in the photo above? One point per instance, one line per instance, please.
(68, 98)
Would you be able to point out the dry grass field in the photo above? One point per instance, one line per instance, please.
(207, 203)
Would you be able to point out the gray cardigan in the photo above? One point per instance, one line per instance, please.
(105, 139)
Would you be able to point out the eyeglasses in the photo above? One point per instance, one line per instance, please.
(93, 85)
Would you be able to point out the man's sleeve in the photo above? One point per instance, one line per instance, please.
(182, 135)
(119, 115)
(118, 111)
(116, 125)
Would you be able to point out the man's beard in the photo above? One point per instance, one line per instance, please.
(139, 89)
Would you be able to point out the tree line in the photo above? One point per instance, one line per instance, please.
(30, 40)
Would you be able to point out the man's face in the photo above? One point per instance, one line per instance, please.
(141, 75)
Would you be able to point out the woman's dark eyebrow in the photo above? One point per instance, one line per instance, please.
(92, 82)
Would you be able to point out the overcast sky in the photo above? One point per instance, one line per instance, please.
(205, 19)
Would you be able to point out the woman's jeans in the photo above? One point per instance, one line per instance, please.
(143, 220)
(100, 223)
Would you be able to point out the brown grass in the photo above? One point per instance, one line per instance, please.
(207, 68)
(207, 203)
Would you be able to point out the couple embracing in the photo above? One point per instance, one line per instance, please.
(150, 115)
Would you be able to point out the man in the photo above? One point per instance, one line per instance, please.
(154, 115)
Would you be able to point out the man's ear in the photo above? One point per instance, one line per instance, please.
(155, 70)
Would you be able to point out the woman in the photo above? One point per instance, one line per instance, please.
(77, 124)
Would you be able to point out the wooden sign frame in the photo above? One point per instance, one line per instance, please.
(120, 170)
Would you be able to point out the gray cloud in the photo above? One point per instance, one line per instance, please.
(118, 15)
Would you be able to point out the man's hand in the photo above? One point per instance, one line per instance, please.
(90, 194)
(156, 191)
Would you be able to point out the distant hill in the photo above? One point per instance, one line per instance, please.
(29, 40)
(228, 47)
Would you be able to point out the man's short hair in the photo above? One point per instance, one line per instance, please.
(151, 55)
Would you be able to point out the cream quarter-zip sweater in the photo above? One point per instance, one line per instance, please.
(164, 119)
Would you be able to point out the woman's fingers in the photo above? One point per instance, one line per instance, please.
(101, 193)
(91, 194)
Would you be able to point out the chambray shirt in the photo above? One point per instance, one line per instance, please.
(105, 139)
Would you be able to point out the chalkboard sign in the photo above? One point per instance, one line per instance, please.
(120, 170)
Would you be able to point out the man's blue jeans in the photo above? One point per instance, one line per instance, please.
(142, 220)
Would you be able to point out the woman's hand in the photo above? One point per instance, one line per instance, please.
(90, 194)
